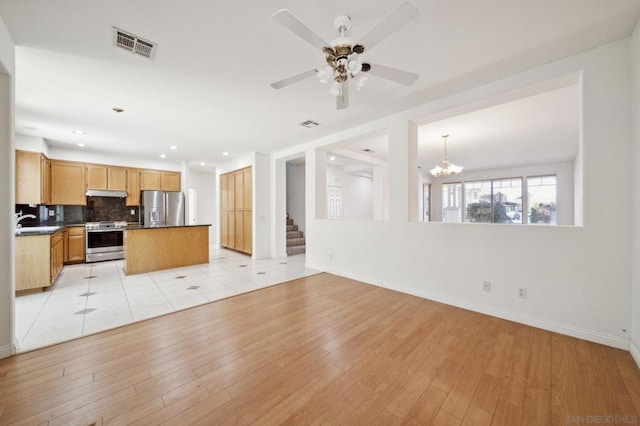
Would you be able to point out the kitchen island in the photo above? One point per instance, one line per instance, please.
(157, 248)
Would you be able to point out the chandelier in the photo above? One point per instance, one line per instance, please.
(449, 169)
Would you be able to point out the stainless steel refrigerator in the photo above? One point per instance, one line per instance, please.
(161, 208)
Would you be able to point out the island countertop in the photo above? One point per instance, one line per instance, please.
(165, 247)
(165, 226)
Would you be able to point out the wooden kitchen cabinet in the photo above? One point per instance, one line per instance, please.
(68, 183)
(170, 181)
(38, 260)
(74, 244)
(133, 188)
(57, 254)
(150, 180)
(236, 214)
(106, 178)
(32, 178)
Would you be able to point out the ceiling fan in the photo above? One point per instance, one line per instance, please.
(343, 54)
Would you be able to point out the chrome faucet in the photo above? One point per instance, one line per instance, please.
(20, 216)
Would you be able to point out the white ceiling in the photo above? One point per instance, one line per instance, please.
(207, 91)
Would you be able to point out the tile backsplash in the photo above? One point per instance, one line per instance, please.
(98, 209)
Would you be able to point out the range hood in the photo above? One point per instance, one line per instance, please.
(100, 193)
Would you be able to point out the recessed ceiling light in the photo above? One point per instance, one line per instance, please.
(81, 145)
(202, 164)
(368, 150)
(225, 153)
(173, 147)
(117, 110)
(79, 132)
(332, 158)
(163, 156)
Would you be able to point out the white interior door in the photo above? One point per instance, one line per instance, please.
(193, 206)
(334, 202)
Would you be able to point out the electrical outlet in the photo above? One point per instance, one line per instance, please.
(52, 213)
(133, 212)
(486, 285)
(522, 292)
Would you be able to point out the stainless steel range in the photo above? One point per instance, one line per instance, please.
(104, 240)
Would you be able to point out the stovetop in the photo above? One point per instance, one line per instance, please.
(106, 225)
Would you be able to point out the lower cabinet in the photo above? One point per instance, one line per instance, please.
(57, 255)
(74, 244)
(39, 260)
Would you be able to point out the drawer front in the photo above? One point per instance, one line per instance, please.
(75, 230)
(57, 238)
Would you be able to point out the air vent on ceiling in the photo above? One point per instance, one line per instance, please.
(134, 44)
(309, 124)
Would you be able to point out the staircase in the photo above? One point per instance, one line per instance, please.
(295, 240)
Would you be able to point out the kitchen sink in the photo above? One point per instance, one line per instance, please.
(30, 229)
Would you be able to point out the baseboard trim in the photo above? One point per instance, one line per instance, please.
(635, 353)
(8, 350)
(568, 330)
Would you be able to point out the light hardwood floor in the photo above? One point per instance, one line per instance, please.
(320, 350)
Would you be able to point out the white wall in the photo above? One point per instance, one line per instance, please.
(577, 278)
(205, 183)
(635, 207)
(7, 193)
(357, 193)
(295, 194)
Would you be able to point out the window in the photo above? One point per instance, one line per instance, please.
(541, 195)
(451, 194)
(493, 201)
(426, 202)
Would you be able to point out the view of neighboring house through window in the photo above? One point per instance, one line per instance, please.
(541, 195)
(451, 202)
(499, 201)
(493, 201)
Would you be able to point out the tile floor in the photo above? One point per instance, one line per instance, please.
(94, 297)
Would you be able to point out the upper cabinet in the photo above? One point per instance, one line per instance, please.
(32, 178)
(68, 183)
(157, 180)
(40, 180)
(150, 180)
(133, 188)
(106, 177)
(170, 181)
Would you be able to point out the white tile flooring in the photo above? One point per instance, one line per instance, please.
(94, 297)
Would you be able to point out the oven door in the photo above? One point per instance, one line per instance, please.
(104, 240)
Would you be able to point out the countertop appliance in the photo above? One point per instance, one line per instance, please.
(104, 241)
(161, 208)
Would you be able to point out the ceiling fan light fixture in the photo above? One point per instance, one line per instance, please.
(359, 80)
(336, 88)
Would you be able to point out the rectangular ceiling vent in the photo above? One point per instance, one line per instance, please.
(309, 124)
(134, 44)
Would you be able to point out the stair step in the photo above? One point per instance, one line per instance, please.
(291, 251)
(291, 242)
(292, 227)
(294, 234)
(289, 221)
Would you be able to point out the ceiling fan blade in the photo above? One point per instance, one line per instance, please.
(342, 100)
(403, 77)
(295, 25)
(294, 78)
(391, 23)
